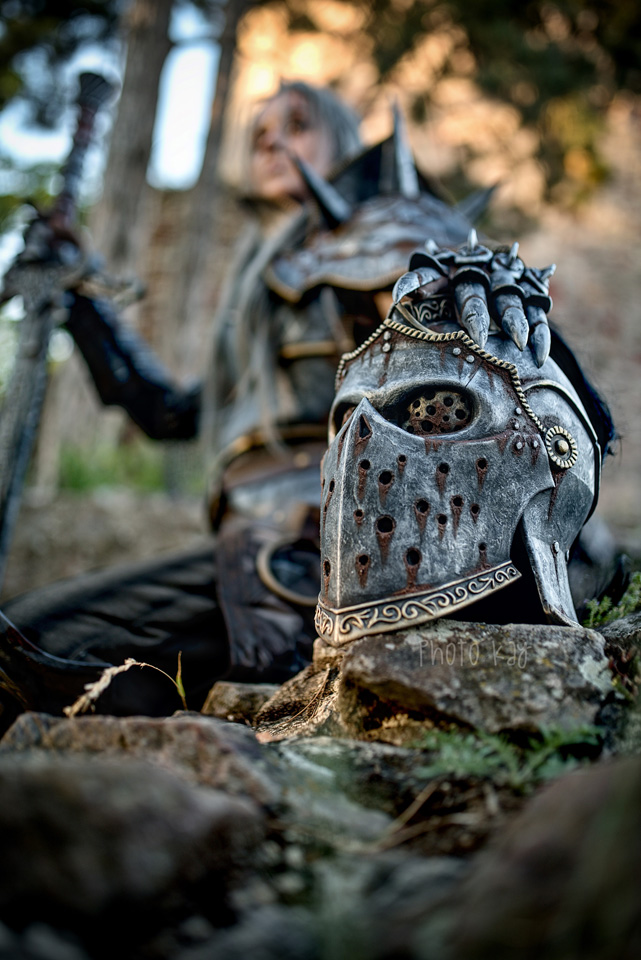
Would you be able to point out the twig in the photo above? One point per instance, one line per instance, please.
(93, 691)
(413, 808)
(313, 699)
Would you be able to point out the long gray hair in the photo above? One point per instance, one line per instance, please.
(329, 114)
(245, 354)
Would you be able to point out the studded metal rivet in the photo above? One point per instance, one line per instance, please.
(469, 358)
(561, 447)
(518, 445)
(456, 351)
(556, 546)
(387, 335)
(535, 444)
(518, 411)
(387, 347)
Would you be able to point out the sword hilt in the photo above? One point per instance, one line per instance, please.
(95, 91)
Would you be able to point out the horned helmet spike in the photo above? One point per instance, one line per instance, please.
(333, 207)
(476, 203)
(406, 172)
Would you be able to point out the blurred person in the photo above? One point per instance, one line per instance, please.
(242, 607)
(334, 227)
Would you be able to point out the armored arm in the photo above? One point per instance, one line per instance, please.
(128, 375)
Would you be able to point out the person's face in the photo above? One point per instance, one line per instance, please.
(285, 126)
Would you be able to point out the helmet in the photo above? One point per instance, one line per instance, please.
(454, 471)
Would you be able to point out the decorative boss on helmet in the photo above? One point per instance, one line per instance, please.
(460, 462)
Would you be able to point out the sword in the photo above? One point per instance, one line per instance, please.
(40, 274)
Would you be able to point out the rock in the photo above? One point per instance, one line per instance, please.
(268, 933)
(113, 838)
(367, 831)
(339, 788)
(39, 942)
(318, 812)
(207, 752)
(623, 646)
(237, 702)
(365, 907)
(492, 678)
(376, 775)
(326, 655)
(371, 907)
(202, 750)
(626, 631)
(303, 706)
(562, 881)
(306, 704)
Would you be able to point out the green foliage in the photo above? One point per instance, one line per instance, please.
(559, 64)
(604, 611)
(507, 763)
(179, 681)
(138, 466)
(21, 185)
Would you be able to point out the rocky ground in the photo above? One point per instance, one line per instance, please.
(460, 792)
(457, 791)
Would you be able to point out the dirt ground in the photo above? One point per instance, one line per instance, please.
(75, 533)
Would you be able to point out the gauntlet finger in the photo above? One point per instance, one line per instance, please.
(473, 314)
(540, 337)
(471, 285)
(538, 304)
(412, 281)
(512, 318)
(505, 273)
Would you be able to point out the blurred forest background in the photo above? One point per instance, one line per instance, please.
(541, 98)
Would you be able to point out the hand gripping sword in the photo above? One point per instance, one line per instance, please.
(40, 274)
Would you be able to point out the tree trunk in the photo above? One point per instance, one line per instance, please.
(120, 218)
(192, 293)
(118, 224)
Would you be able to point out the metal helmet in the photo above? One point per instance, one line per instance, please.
(454, 471)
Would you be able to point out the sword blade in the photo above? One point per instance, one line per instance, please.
(41, 286)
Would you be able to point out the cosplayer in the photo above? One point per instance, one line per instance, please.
(305, 288)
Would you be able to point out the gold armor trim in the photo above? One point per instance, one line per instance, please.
(561, 447)
(338, 627)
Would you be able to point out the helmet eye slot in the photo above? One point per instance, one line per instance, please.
(429, 411)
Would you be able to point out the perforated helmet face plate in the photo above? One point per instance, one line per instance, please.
(438, 458)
